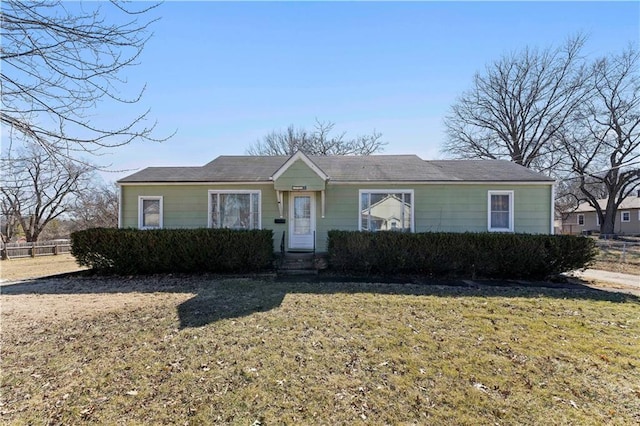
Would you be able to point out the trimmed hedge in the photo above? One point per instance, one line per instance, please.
(134, 251)
(485, 255)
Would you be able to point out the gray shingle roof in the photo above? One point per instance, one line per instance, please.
(488, 170)
(628, 203)
(165, 174)
(373, 168)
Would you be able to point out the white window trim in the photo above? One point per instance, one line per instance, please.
(511, 203)
(234, 191)
(386, 191)
(143, 198)
(578, 219)
(597, 219)
(622, 216)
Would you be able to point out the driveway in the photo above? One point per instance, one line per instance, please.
(610, 281)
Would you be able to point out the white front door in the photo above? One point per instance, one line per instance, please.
(302, 220)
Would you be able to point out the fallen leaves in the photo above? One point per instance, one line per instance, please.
(349, 353)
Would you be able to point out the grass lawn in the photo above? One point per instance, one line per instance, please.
(203, 350)
(41, 266)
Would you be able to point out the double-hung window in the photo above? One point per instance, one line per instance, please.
(580, 219)
(500, 217)
(234, 209)
(625, 216)
(386, 210)
(149, 212)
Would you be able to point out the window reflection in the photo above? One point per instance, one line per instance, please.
(151, 213)
(235, 210)
(385, 211)
(302, 215)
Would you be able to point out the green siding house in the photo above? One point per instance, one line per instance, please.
(303, 197)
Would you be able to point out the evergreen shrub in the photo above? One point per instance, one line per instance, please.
(135, 251)
(487, 255)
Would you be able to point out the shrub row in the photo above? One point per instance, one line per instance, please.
(134, 251)
(461, 254)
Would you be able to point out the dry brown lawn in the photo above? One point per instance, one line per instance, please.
(205, 350)
(24, 268)
(615, 257)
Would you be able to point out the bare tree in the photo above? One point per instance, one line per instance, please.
(568, 195)
(603, 140)
(59, 62)
(515, 108)
(8, 221)
(317, 142)
(56, 229)
(38, 188)
(97, 207)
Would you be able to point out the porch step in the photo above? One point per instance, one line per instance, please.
(292, 272)
(298, 264)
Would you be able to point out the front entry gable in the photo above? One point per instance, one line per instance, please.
(299, 173)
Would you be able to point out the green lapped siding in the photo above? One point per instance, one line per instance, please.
(442, 208)
(186, 206)
(299, 174)
(437, 207)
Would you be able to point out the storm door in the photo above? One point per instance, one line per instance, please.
(302, 220)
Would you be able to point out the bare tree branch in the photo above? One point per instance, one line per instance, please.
(317, 142)
(97, 207)
(38, 188)
(603, 139)
(58, 65)
(515, 108)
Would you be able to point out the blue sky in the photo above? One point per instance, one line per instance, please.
(225, 74)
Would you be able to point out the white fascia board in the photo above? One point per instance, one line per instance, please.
(300, 156)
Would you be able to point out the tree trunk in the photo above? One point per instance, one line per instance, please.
(607, 226)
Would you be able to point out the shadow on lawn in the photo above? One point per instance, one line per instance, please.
(207, 308)
(220, 297)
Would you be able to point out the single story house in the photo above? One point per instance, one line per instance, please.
(302, 197)
(585, 218)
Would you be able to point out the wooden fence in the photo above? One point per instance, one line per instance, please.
(39, 248)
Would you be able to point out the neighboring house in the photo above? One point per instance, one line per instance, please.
(585, 218)
(303, 197)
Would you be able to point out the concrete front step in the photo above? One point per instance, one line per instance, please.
(297, 272)
(298, 264)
